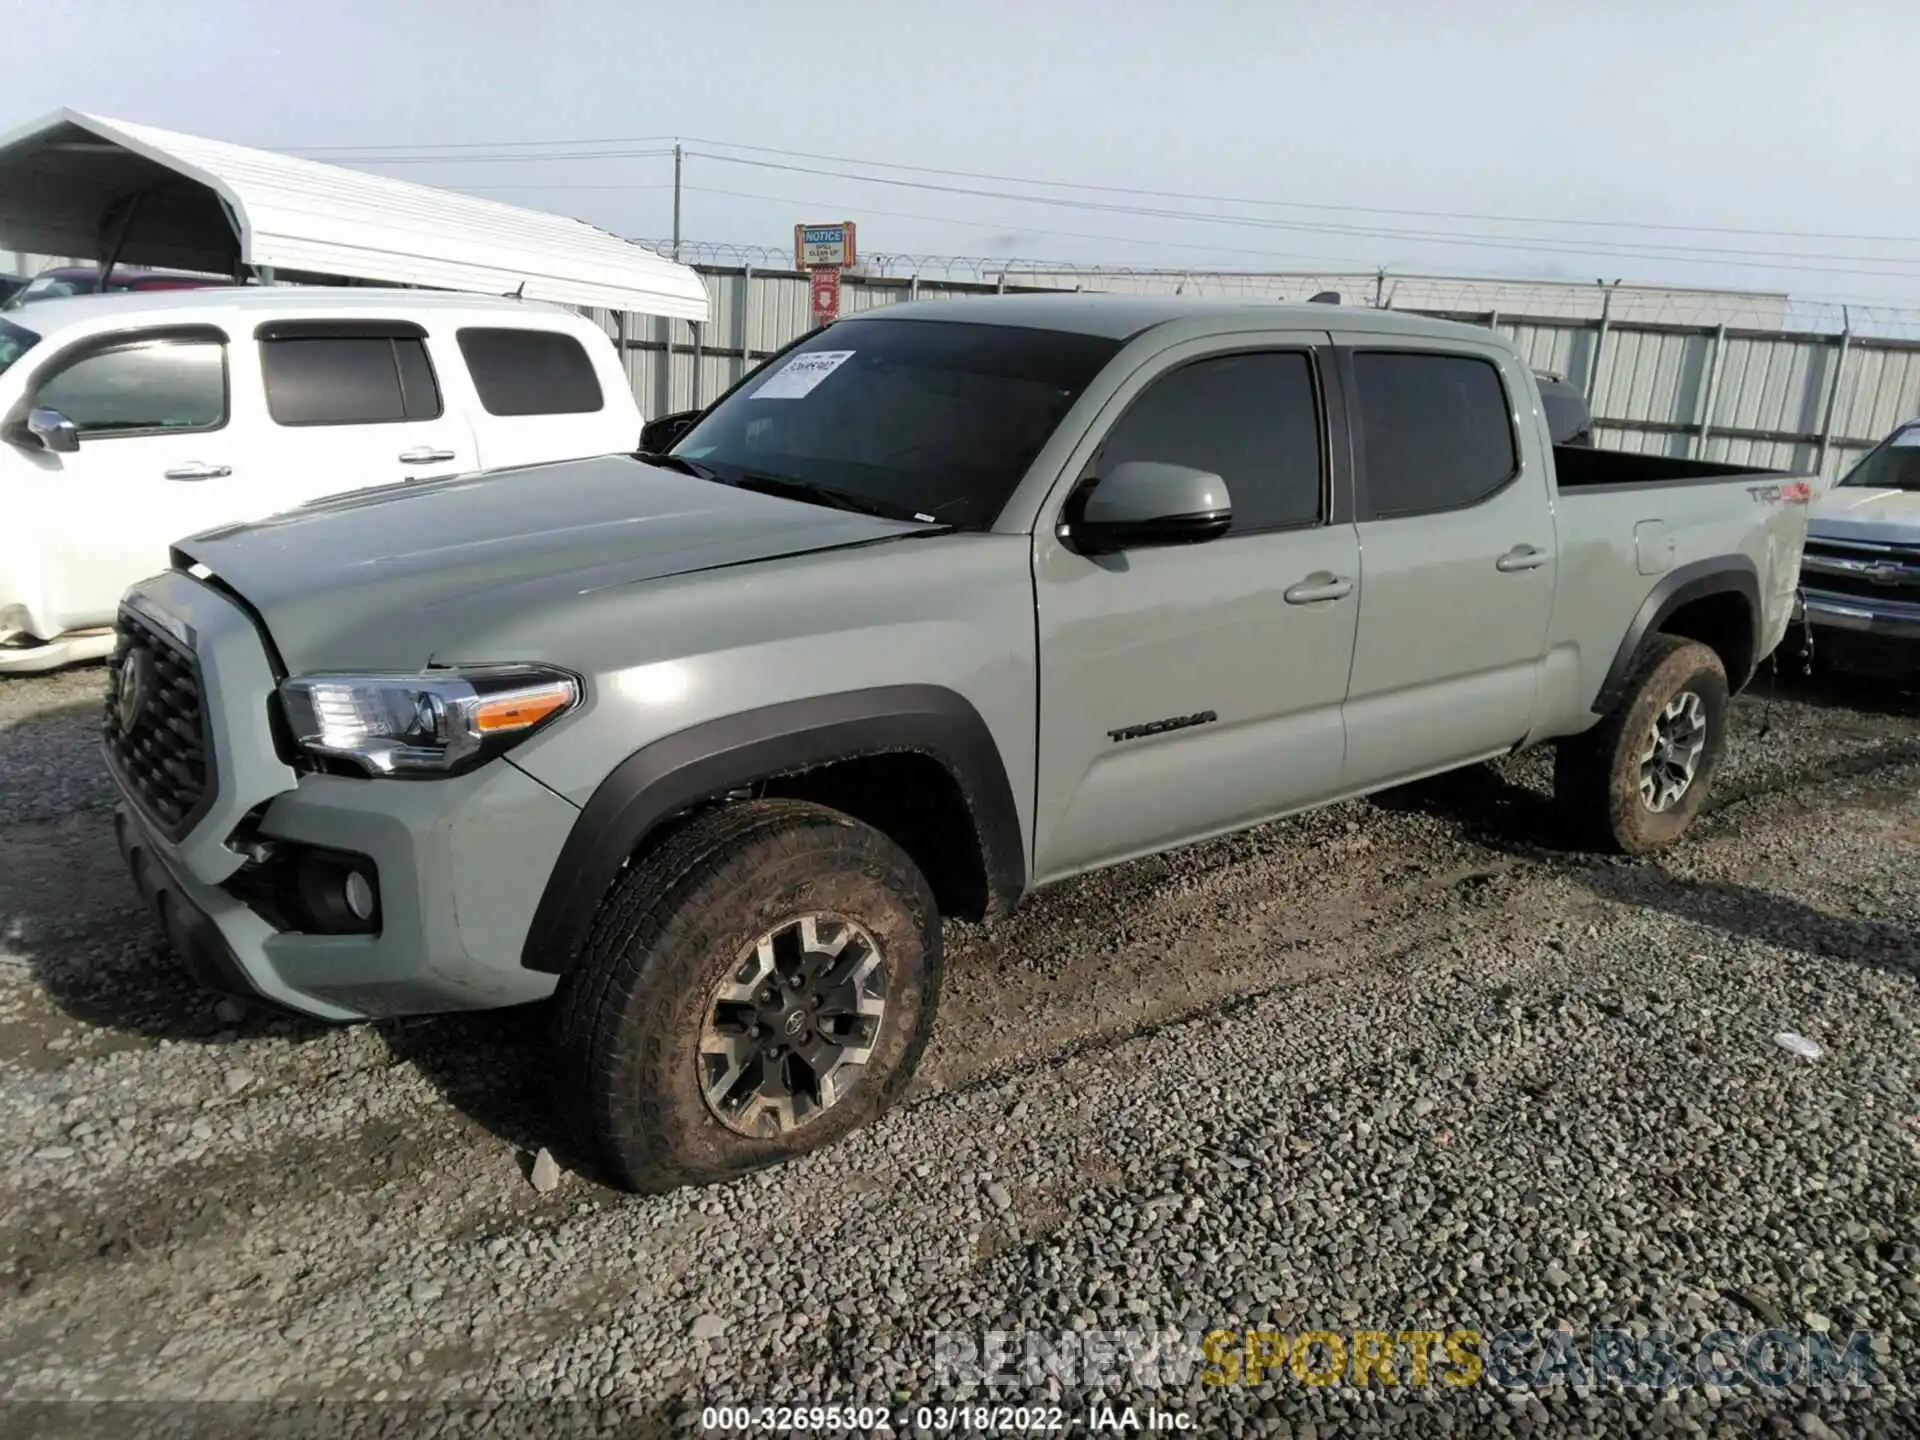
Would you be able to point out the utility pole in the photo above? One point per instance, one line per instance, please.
(676, 199)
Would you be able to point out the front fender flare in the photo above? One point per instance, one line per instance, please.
(680, 770)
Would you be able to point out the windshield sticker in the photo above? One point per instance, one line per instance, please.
(800, 375)
(1909, 437)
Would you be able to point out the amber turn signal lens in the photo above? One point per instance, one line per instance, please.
(521, 709)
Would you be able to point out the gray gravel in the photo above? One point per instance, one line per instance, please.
(1399, 1065)
(49, 746)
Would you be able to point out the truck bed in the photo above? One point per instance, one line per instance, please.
(1581, 467)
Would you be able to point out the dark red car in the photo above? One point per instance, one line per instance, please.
(85, 280)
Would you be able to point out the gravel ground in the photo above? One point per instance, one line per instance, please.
(1400, 1065)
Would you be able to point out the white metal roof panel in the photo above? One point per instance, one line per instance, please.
(59, 182)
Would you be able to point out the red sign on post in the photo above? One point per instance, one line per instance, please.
(825, 291)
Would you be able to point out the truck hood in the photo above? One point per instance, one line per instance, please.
(1861, 512)
(380, 578)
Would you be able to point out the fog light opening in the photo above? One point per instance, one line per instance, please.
(358, 893)
(338, 898)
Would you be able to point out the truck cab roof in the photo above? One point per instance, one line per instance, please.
(1121, 317)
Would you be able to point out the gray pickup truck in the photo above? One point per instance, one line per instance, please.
(940, 605)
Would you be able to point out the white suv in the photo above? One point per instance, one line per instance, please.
(128, 421)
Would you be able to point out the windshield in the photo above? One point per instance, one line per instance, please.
(15, 341)
(929, 419)
(47, 287)
(1894, 466)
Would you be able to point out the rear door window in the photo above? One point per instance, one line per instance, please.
(338, 379)
(531, 372)
(1436, 431)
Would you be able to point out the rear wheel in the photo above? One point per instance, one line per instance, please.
(1637, 779)
(758, 987)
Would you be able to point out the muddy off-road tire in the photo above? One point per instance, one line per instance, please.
(758, 987)
(1635, 781)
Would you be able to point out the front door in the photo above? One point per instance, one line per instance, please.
(1457, 560)
(161, 456)
(1191, 689)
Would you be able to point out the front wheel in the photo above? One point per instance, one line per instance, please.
(1637, 779)
(758, 987)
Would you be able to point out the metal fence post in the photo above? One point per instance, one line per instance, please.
(1709, 392)
(1599, 346)
(620, 340)
(663, 385)
(913, 286)
(744, 321)
(1833, 391)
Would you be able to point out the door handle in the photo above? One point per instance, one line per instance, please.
(1317, 587)
(194, 470)
(1521, 557)
(424, 455)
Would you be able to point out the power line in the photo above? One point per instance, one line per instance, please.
(494, 159)
(385, 155)
(1302, 204)
(1648, 250)
(1645, 250)
(661, 185)
(480, 145)
(1542, 244)
(1033, 230)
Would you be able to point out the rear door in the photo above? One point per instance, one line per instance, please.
(355, 403)
(165, 451)
(1190, 689)
(537, 396)
(1457, 557)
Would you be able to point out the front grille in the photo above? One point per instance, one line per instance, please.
(155, 725)
(1863, 571)
(1820, 582)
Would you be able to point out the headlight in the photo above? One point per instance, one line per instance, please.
(437, 723)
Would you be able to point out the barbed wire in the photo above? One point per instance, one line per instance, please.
(1463, 296)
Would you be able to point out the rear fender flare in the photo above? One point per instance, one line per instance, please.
(1733, 574)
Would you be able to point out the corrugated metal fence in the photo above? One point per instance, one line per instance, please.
(1769, 399)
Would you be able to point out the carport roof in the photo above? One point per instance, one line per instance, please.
(70, 182)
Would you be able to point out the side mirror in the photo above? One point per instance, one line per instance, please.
(658, 436)
(53, 430)
(1145, 502)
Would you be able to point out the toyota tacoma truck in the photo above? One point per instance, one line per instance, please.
(941, 605)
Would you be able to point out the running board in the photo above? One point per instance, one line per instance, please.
(72, 649)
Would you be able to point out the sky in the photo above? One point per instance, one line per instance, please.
(1761, 145)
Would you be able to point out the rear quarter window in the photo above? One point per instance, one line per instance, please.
(531, 372)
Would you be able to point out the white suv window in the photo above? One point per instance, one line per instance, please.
(531, 372)
(348, 380)
(141, 387)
